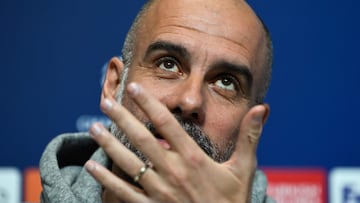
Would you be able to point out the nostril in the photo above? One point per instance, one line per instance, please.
(177, 111)
(195, 116)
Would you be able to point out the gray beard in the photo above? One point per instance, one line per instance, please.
(210, 148)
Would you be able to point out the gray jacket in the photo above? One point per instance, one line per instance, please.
(64, 179)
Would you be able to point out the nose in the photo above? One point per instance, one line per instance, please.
(188, 100)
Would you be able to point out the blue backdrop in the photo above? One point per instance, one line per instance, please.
(53, 52)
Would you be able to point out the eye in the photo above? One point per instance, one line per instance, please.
(168, 64)
(226, 82)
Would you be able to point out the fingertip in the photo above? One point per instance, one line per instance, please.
(261, 112)
(133, 89)
(106, 104)
(96, 129)
(91, 166)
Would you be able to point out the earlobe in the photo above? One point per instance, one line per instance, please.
(112, 78)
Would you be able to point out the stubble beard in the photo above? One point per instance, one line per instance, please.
(193, 130)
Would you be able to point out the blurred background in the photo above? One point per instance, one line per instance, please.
(52, 57)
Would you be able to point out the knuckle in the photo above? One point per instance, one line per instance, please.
(194, 160)
(254, 134)
(164, 194)
(180, 174)
(176, 174)
(140, 138)
(178, 177)
(161, 119)
(106, 142)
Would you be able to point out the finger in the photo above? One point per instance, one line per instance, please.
(243, 161)
(113, 148)
(135, 131)
(121, 189)
(122, 156)
(164, 122)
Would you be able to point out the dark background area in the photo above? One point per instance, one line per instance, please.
(52, 54)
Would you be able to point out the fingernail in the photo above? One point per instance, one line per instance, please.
(95, 130)
(90, 166)
(133, 89)
(259, 117)
(107, 104)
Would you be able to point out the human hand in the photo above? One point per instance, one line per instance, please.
(183, 173)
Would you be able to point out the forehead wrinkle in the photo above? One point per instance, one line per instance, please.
(213, 20)
(173, 31)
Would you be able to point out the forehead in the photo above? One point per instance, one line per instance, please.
(205, 24)
(231, 20)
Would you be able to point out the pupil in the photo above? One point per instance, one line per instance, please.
(168, 65)
(226, 81)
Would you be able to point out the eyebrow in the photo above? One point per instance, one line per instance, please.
(168, 47)
(237, 69)
(224, 65)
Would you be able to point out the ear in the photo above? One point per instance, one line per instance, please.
(112, 78)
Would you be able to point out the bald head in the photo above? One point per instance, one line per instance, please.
(226, 20)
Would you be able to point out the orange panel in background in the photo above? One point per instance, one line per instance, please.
(32, 185)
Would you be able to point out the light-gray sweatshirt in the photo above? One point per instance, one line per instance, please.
(64, 179)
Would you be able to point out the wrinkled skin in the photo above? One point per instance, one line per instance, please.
(201, 59)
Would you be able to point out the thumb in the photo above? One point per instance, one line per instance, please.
(243, 162)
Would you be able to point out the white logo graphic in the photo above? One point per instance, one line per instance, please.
(84, 122)
(10, 185)
(345, 185)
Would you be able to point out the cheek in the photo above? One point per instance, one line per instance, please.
(159, 89)
(150, 86)
(131, 106)
(222, 126)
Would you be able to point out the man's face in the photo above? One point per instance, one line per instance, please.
(202, 59)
